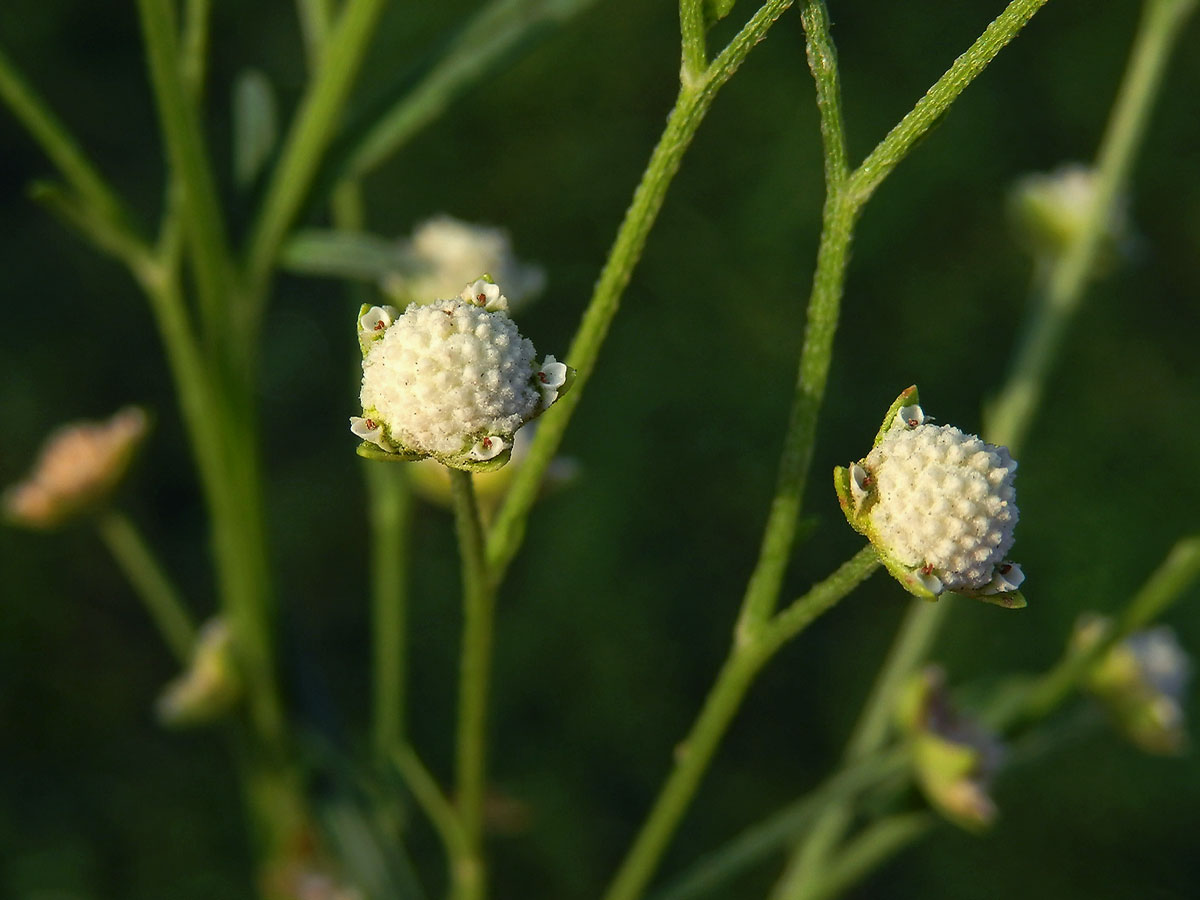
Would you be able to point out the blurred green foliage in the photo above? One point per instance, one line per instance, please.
(618, 610)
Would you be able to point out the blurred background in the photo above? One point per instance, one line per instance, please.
(619, 609)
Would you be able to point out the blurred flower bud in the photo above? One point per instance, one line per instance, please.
(938, 505)
(445, 250)
(452, 380)
(954, 757)
(79, 466)
(1141, 683)
(210, 688)
(1050, 211)
(431, 480)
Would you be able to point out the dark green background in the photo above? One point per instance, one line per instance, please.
(618, 610)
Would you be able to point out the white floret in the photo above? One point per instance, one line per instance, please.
(946, 502)
(446, 376)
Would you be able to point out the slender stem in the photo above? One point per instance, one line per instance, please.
(816, 355)
(63, 150)
(479, 49)
(158, 594)
(306, 142)
(1016, 407)
(390, 505)
(695, 50)
(690, 107)
(782, 828)
(1175, 575)
(878, 842)
(433, 802)
(870, 732)
(930, 108)
(746, 657)
(316, 17)
(478, 612)
(191, 170)
(197, 14)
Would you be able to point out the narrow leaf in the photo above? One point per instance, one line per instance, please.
(255, 126)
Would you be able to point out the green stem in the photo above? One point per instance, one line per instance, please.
(197, 14)
(390, 505)
(191, 171)
(816, 355)
(746, 657)
(307, 140)
(1014, 411)
(690, 107)
(1175, 575)
(877, 843)
(159, 596)
(870, 732)
(930, 108)
(433, 802)
(478, 612)
(776, 832)
(61, 147)
(316, 18)
(695, 50)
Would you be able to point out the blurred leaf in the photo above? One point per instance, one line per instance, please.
(255, 125)
(345, 254)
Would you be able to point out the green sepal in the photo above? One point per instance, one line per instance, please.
(905, 575)
(367, 450)
(1006, 599)
(908, 397)
(841, 486)
(499, 461)
(716, 10)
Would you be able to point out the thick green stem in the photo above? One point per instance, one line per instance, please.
(478, 612)
(158, 594)
(747, 656)
(390, 506)
(691, 105)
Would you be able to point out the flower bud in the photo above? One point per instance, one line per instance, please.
(445, 250)
(938, 505)
(209, 688)
(954, 757)
(79, 466)
(1141, 683)
(1051, 210)
(452, 380)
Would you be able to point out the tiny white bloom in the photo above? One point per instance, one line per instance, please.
(551, 377)
(373, 323)
(489, 447)
(371, 431)
(860, 483)
(910, 416)
(486, 294)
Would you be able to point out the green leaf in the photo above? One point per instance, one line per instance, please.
(255, 126)
(908, 397)
(346, 254)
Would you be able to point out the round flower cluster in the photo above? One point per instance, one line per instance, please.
(453, 379)
(938, 505)
(945, 501)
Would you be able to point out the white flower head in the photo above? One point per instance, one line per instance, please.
(1052, 209)
(939, 506)
(451, 380)
(446, 252)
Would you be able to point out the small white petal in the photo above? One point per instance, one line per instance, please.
(488, 448)
(1008, 577)
(371, 431)
(375, 321)
(910, 416)
(860, 482)
(486, 294)
(929, 581)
